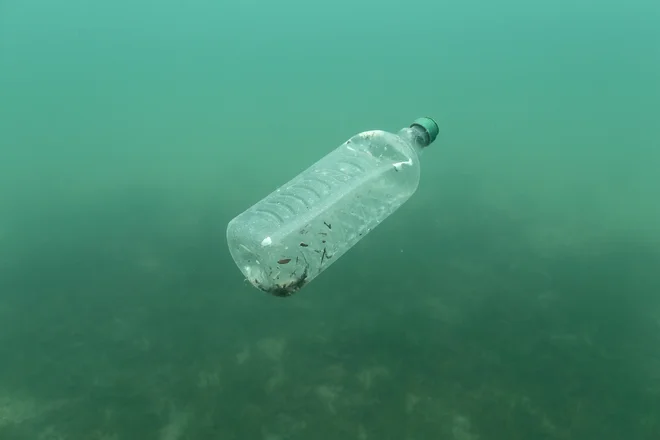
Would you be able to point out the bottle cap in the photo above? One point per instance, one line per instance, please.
(429, 126)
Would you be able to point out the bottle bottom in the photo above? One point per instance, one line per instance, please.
(258, 278)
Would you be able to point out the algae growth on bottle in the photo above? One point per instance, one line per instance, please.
(288, 238)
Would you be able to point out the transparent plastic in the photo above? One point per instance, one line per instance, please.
(288, 238)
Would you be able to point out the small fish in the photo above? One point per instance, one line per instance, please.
(283, 261)
(303, 244)
(328, 225)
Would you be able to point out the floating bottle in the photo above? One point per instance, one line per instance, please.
(288, 238)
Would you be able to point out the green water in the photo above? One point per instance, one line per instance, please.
(515, 296)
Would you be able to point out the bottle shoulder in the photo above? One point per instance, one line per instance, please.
(382, 145)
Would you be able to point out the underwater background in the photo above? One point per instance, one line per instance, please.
(515, 296)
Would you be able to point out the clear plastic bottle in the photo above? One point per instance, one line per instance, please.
(287, 239)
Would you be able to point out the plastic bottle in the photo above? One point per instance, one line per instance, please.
(288, 238)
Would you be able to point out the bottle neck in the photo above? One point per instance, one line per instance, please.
(415, 136)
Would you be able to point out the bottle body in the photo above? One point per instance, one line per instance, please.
(295, 233)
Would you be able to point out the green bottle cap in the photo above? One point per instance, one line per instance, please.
(429, 126)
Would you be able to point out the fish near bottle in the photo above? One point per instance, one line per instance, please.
(288, 238)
